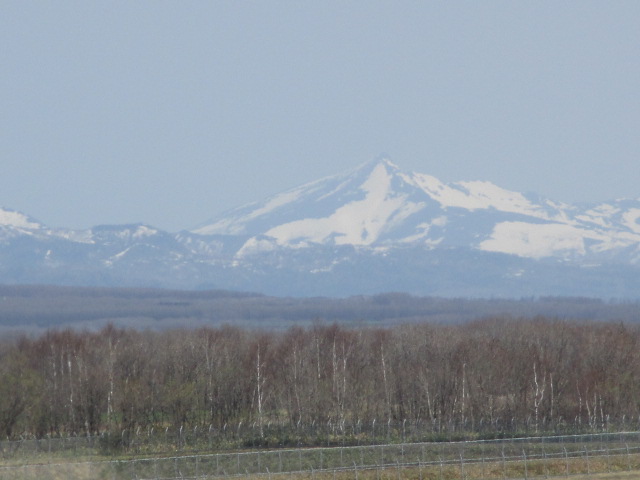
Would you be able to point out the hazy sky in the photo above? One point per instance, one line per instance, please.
(169, 113)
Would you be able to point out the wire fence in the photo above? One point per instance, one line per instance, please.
(470, 460)
(331, 434)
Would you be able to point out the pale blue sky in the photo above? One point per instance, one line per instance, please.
(171, 112)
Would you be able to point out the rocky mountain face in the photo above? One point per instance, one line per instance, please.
(370, 230)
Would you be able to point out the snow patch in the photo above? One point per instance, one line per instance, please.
(600, 215)
(256, 245)
(536, 240)
(630, 219)
(229, 226)
(235, 226)
(143, 231)
(79, 236)
(335, 190)
(477, 196)
(423, 230)
(118, 256)
(274, 203)
(16, 219)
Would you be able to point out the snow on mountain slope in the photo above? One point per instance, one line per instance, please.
(11, 218)
(358, 222)
(537, 240)
(632, 219)
(479, 195)
(377, 205)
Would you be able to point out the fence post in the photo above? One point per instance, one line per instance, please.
(586, 456)
(628, 456)
(462, 467)
(504, 465)
(566, 461)
(526, 468)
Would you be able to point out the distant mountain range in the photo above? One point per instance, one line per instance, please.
(370, 230)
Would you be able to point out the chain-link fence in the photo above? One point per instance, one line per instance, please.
(522, 457)
(246, 436)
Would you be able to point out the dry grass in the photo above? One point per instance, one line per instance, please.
(598, 468)
(610, 476)
(583, 467)
(63, 471)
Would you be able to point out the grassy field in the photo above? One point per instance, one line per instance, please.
(579, 457)
(122, 471)
(610, 476)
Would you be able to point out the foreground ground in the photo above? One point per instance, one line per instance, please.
(600, 456)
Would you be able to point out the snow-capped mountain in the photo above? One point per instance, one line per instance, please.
(372, 229)
(379, 206)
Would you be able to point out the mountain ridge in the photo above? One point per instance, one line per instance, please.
(372, 229)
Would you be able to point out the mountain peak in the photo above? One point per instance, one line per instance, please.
(381, 160)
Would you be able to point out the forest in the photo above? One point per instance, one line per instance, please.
(38, 308)
(496, 373)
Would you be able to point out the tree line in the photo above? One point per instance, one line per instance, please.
(39, 307)
(490, 372)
